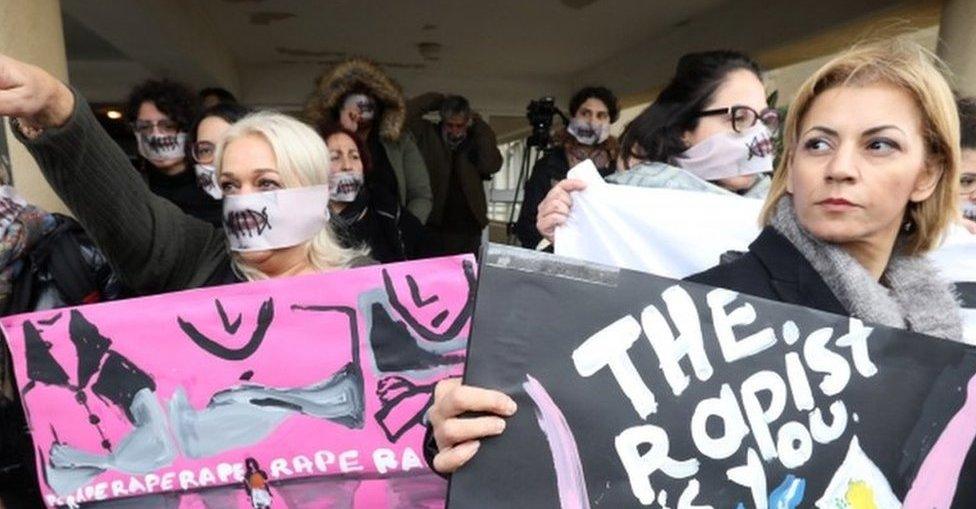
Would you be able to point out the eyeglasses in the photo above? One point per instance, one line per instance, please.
(203, 152)
(967, 183)
(744, 117)
(165, 126)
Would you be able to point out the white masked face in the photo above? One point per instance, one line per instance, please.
(730, 154)
(209, 133)
(159, 138)
(162, 150)
(207, 180)
(275, 219)
(261, 214)
(967, 184)
(589, 133)
(345, 186)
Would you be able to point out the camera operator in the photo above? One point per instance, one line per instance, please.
(587, 136)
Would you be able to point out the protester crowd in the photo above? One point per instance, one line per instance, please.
(853, 205)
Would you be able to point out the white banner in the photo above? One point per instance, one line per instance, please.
(677, 233)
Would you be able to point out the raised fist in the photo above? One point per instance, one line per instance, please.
(32, 95)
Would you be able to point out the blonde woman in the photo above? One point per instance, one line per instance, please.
(272, 169)
(856, 202)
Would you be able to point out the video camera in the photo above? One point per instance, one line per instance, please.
(540, 113)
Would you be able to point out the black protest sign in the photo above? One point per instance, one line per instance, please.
(636, 390)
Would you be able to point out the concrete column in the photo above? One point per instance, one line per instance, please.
(957, 43)
(30, 30)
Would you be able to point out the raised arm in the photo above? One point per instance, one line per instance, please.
(153, 245)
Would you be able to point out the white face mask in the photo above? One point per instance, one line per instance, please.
(275, 219)
(588, 133)
(730, 154)
(207, 180)
(969, 210)
(365, 104)
(344, 186)
(162, 150)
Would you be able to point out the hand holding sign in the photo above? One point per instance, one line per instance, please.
(457, 437)
(554, 209)
(31, 94)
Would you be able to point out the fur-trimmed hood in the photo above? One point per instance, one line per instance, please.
(358, 75)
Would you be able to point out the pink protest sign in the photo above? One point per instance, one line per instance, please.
(298, 392)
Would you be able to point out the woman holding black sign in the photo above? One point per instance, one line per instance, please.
(859, 199)
(856, 203)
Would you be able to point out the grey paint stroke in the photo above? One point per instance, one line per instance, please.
(246, 415)
(234, 418)
(379, 296)
(145, 449)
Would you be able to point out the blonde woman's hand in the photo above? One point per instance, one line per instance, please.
(458, 438)
(32, 95)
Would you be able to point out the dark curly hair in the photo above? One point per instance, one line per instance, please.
(657, 133)
(172, 98)
(603, 94)
(327, 129)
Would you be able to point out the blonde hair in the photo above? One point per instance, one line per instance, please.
(302, 160)
(902, 63)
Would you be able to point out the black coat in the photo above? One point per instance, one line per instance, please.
(183, 191)
(547, 171)
(378, 221)
(774, 269)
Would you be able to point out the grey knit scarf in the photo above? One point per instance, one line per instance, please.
(916, 298)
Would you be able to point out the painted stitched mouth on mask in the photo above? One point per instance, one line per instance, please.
(761, 146)
(969, 211)
(247, 222)
(206, 182)
(347, 187)
(367, 111)
(162, 143)
(586, 132)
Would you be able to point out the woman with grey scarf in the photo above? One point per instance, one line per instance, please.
(858, 200)
(856, 203)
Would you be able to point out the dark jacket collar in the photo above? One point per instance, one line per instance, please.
(792, 276)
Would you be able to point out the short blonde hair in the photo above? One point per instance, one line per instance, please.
(302, 160)
(902, 63)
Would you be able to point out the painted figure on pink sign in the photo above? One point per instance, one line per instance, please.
(256, 484)
(323, 380)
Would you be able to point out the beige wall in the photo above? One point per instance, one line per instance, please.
(787, 79)
(30, 30)
(957, 43)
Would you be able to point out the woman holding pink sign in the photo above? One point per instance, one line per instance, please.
(272, 170)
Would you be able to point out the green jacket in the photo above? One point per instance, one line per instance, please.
(411, 174)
